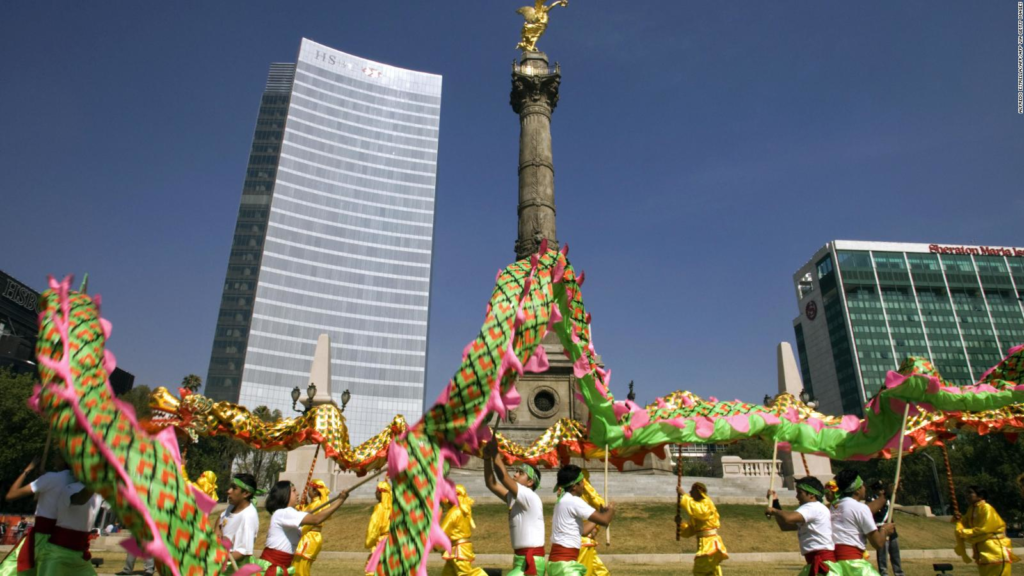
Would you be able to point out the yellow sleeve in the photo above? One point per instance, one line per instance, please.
(702, 510)
(984, 522)
(451, 520)
(379, 524)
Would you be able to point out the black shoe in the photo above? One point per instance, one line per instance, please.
(124, 573)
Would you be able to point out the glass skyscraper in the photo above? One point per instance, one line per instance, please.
(865, 306)
(334, 235)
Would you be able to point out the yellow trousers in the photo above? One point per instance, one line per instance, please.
(454, 567)
(707, 566)
(590, 559)
(995, 569)
(306, 553)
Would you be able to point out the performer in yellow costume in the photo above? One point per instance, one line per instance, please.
(704, 524)
(588, 546)
(380, 520)
(983, 529)
(312, 540)
(458, 525)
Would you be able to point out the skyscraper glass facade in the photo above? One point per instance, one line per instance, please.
(348, 238)
(960, 306)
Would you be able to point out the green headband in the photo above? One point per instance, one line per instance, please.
(237, 482)
(561, 489)
(857, 483)
(810, 490)
(531, 474)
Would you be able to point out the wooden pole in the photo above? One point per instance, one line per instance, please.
(46, 450)
(608, 530)
(309, 477)
(349, 490)
(771, 480)
(679, 484)
(899, 463)
(949, 481)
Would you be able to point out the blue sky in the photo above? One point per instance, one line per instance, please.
(703, 152)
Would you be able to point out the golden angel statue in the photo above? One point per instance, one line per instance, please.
(536, 23)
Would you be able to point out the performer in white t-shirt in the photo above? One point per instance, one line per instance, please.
(48, 490)
(240, 523)
(68, 552)
(811, 521)
(853, 525)
(525, 512)
(286, 526)
(572, 518)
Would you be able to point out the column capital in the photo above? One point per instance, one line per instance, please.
(534, 91)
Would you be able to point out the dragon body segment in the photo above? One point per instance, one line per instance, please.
(138, 473)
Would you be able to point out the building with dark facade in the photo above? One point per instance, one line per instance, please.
(334, 235)
(865, 306)
(19, 326)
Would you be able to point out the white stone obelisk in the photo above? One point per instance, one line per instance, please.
(792, 463)
(299, 460)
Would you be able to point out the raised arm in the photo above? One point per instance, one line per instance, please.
(19, 489)
(787, 521)
(319, 517)
(494, 472)
(877, 504)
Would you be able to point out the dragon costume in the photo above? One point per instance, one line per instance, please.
(138, 473)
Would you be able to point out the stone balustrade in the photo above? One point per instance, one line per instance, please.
(736, 467)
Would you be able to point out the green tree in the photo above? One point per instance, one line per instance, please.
(192, 383)
(265, 465)
(138, 397)
(749, 449)
(22, 435)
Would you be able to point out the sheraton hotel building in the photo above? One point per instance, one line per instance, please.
(865, 306)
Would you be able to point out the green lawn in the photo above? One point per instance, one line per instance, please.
(346, 568)
(637, 529)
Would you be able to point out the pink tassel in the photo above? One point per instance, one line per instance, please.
(109, 362)
(510, 361)
(204, 502)
(581, 367)
(543, 246)
(371, 564)
(106, 326)
(511, 398)
(169, 441)
(556, 316)
(538, 361)
(398, 459)
(581, 278)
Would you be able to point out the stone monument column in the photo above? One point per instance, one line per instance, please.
(534, 96)
(792, 462)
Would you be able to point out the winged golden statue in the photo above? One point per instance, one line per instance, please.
(536, 23)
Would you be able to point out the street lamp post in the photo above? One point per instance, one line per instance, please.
(938, 487)
(808, 399)
(308, 403)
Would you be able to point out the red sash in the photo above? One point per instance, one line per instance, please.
(27, 555)
(844, 552)
(528, 554)
(817, 559)
(560, 553)
(277, 560)
(72, 540)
